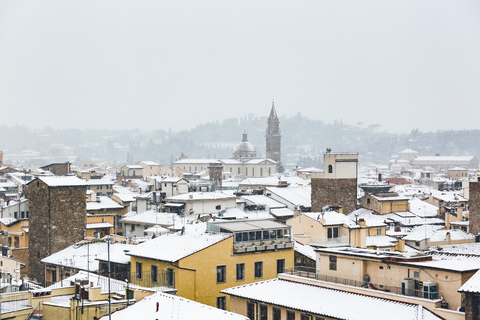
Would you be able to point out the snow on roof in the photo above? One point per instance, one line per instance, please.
(472, 285)
(305, 249)
(422, 209)
(195, 196)
(172, 307)
(230, 161)
(133, 166)
(282, 212)
(99, 225)
(298, 196)
(394, 197)
(103, 203)
(196, 161)
(76, 256)
(263, 200)
(408, 151)
(173, 247)
(258, 161)
(62, 181)
(153, 217)
(451, 265)
(464, 248)
(150, 163)
(332, 218)
(7, 220)
(240, 214)
(275, 181)
(102, 181)
(448, 196)
(97, 280)
(380, 241)
(443, 158)
(423, 232)
(329, 302)
(166, 179)
(436, 235)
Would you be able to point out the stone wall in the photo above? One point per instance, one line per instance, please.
(335, 192)
(474, 207)
(57, 220)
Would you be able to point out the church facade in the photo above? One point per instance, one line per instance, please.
(244, 163)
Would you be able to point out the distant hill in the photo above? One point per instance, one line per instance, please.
(303, 142)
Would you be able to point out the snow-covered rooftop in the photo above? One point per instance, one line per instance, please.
(195, 196)
(298, 196)
(172, 307)
(329, 302)
(103, 203)
(62, 181)
(173, 247)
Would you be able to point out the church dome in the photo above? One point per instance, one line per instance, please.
(244, 149)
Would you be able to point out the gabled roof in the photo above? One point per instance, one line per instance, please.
(329, 302)
(173, 247)
(171, 307)
(61, 181)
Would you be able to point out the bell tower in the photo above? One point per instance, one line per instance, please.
(274, 139)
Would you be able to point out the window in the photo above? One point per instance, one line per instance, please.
(368, 200)
(333, 262)
(277, 313)
(416, 274)
(259, 269)
(280, 266)
(221, 274)
(222, 303)
(290, 315)
(219, 207)
(332, 233)
(240, 271)
(263, 312)
(253, 172)
(138, 269)
(250, 310)
(261, 172)
(154, 274)
(306, 317)
(379, 231)
(330, 168)
(170, 278)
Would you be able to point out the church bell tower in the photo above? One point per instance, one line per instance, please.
(274, 139)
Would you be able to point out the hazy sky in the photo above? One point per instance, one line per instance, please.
(175, 64)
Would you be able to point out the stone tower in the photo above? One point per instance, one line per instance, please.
(337, 185)
(274, 139)
(57, 218)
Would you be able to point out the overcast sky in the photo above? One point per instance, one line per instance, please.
(175, 64)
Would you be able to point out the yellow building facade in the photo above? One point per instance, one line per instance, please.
(199, 276)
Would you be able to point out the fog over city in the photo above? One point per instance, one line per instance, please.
(174, 65)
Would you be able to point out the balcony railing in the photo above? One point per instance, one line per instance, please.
(310, 273)
(262, 245)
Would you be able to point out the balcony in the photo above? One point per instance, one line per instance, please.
(262, 245)
(310, 273)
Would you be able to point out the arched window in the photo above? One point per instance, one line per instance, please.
(330, 168)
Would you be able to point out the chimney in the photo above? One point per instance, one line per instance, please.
(362, 222)
(296, 212)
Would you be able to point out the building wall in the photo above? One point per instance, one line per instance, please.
(196, 275)
(392, 274)
(239, 305)
(57, 220)
(474, 215)
(336, 192)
